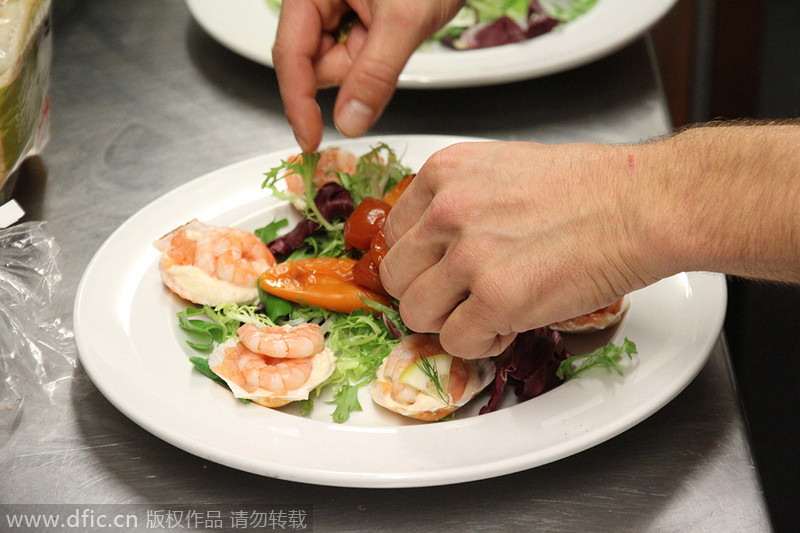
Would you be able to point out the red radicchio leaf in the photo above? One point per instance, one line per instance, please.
(504, 30)
(334, 203)
(392, 327)
(501, 31)
(540, 26)
(529, 364)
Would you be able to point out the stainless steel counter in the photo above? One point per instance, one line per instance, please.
(144, 101)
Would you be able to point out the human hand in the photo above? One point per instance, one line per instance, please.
(366, 66)
(494, 239)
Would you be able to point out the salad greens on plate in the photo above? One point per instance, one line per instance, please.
(488, 23)
(362, 339)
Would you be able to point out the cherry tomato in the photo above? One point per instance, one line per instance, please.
(378, 247)
(364, 222)
(392, 196)
(366, 273)
(325, 282)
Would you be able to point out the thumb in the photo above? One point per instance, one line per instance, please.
(372, 78)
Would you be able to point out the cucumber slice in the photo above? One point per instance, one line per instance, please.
(419, 375)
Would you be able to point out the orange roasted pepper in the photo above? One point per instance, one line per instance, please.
(397, 191)
(325, 282)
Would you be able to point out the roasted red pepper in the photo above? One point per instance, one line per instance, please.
(364, 222)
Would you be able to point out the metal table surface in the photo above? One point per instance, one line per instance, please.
(143, 101)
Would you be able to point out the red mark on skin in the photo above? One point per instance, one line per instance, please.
(631, 163)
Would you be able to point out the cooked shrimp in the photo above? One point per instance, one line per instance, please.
(331, 160)
(465, 379)
(212, 265)
(601, 319)
(283, 341)
(233, 255)
(408, 352)
(253, 371)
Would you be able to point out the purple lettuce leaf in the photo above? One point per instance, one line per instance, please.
(529, 364)
(504, 30)
(333, 201)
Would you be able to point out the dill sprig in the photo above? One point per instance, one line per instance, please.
(432, 372)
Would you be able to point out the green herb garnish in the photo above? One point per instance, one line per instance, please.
(608, 356)
(432, 372)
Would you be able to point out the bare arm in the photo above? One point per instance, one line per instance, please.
(733, 199)
(571, 228)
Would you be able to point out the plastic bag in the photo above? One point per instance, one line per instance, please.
(36, 347)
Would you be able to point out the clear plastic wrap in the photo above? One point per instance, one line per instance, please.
(36, 347)
(25, 56)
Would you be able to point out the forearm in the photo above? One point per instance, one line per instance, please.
(724, 199)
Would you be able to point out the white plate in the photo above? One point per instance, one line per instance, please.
(248, 28)
(133, 350)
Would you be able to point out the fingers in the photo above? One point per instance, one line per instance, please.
(297, 43)
(470, 331)
(417, 198)
(372, 79)
(413, 236)
(427, 301)
(335, 59)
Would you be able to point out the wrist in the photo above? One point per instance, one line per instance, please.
(722, 199)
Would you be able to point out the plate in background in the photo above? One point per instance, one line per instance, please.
(248, 27)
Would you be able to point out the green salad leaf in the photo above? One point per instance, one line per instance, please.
(490, 10)
(608, 356)
(201, 364)
(274, 307)
(376, 172)
(361, 341)
(305, 166)
(326, 243)
(346, 401)
(269, 233)
(217, 324)
(567, 10)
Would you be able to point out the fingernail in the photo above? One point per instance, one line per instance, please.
(354, 118)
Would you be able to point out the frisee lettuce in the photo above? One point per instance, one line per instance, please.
(346, 401)
(376, 172)
(608, 356)
(329, 243)
(361, 341)
(217, 324)
(304, 166)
